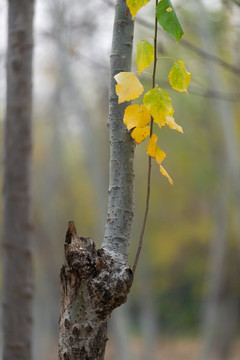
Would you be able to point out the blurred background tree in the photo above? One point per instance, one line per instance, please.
(190, 258)
(17, 241)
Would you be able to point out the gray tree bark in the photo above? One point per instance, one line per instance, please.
(17, 257)
(94, 283)
(121, 187)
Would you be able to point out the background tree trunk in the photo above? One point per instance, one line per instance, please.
(94, 283)
(121, 333)
(217, 333)
(17, 257)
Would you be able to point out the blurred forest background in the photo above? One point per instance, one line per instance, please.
(185, 300)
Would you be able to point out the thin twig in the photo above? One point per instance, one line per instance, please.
(211, 57)
(204, 54)
(209, 93)
(236, 2)
(149, 158)
(145, 215)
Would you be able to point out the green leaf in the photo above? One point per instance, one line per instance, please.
(167, 18)
(145, 55)
(179, 77)
(158, 104)
(136, 5)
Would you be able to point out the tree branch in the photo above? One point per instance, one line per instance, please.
(236, 2)
(202, 53)
(209, 93)
(210, 57)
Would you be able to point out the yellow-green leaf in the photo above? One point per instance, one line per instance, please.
(128, 86)
(136, 116)
(151, 147)
(159, 105)
(145, 55)
(170, 122)
(136, 5)
(139, 134)
(165, 173)
(179, 77)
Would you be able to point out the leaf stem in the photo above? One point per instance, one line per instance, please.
(155, 51)
(143, 72)
(167, 57)
(149, 158)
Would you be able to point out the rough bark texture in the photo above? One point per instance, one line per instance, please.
(121, 185)
(93, 284)
(17, 264)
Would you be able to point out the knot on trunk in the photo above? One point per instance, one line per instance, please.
(92, 285)
(107, 281)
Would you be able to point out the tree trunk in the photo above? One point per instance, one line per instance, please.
(94, 283)
(229, 172)
(121, 187)
(17, 258)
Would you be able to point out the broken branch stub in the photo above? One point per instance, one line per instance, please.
(93, 284)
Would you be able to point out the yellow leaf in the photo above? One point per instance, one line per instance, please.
(128, 86)
(151, 147)
(154, 151)
(164, 173)
(160, 155)
(145, 55)
(159, 105)
(136, 116)
(139, 134)
(179, 77)
(136, 5)
(169, 120)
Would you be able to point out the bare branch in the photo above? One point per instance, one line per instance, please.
(236, 2)
(210, 57)
(209, 93)
(202, 53)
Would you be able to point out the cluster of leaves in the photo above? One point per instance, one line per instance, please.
(157, 106)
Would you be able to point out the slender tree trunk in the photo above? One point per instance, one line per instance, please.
(147, 315)
(211, 321)
(228, 153)
(121, 334)
(121, 186)
(94, 283)
(17, 258)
